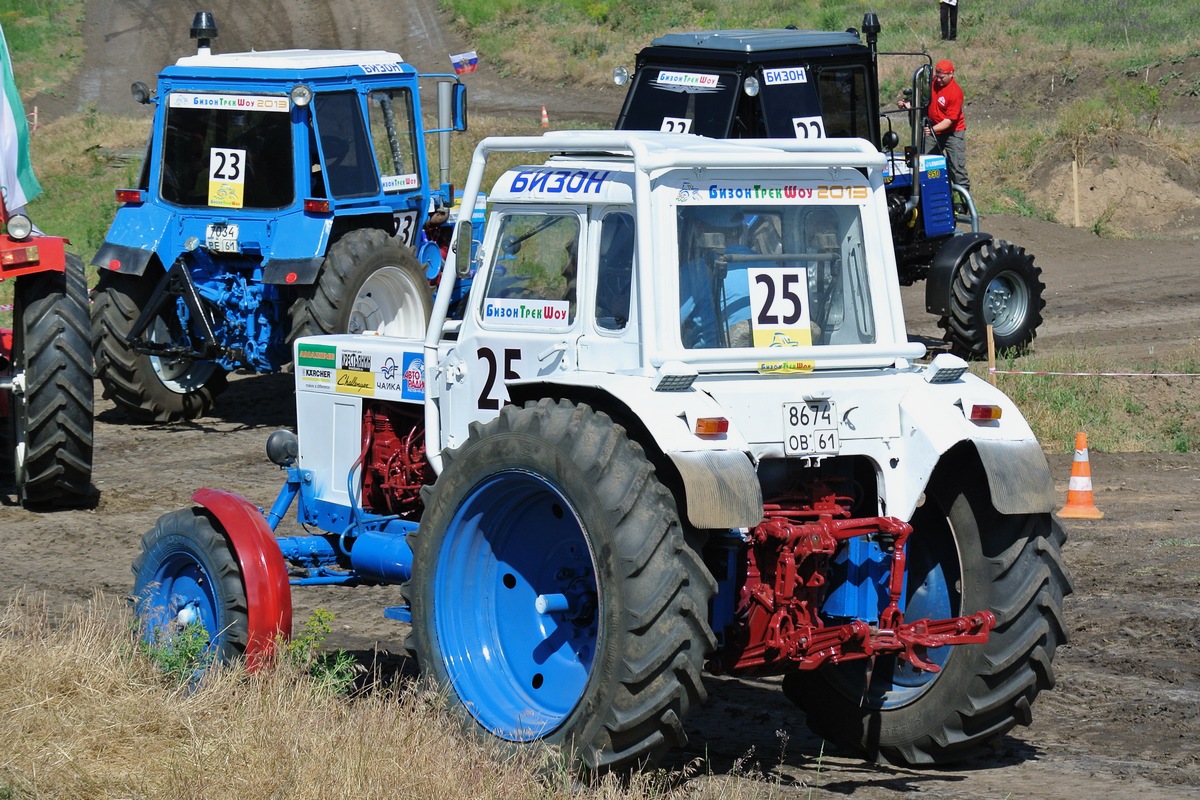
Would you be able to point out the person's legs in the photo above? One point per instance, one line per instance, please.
(955, 148)
(953, 21)
(945, 14)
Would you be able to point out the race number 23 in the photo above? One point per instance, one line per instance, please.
(226, 177)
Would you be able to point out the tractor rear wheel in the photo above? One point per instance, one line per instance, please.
(996, 285)
(152, 388)
(188, 571)
(554, 595)
(50, 428)
(368, 282)
(963, 557)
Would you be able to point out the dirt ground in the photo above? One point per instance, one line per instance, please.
(1124, 717)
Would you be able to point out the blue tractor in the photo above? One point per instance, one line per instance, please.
(801, 84)
(283, 194)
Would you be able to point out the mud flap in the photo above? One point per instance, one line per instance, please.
(1018, 476)
(721, 488)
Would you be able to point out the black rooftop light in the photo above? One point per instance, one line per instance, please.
(204, 29)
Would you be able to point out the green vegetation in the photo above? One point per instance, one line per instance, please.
(331, 671)
(44, 39)
(1138, 413)
(180, 655)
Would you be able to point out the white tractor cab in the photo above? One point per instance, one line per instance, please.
(676, 425)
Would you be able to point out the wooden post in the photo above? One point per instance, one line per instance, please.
(991, 356)
(1075, 187)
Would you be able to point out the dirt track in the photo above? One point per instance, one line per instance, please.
(1125, 716)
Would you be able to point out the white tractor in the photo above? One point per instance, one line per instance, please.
(676, 425)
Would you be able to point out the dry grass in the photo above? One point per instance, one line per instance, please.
(1156, 411)
(84, 715)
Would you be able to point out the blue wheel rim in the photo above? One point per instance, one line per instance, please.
(519, 671)
(179, 581)
(930, 599)
(933, 575)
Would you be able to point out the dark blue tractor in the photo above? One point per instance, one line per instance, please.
(788, 83)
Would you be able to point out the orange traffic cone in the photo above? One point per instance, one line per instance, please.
(545, 118)
(1079, 490)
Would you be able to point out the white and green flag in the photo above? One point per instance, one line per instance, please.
(16, 172)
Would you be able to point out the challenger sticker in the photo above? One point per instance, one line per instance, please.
(354, 375)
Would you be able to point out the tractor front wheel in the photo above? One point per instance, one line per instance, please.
(188, 572)
(554, 595)
(152, 388)
(50, 427)
(963, 557)
(996, 285)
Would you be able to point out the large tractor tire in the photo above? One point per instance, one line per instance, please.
(151, 388)
(554, 596)
(369, 281)
(963, 557)
(997, 285)
(48, 437)
(186, 572)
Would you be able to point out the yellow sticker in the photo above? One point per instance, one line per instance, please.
(786, 367)
(352, 381)
(226, 177)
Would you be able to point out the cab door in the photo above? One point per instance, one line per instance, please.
(523, 319)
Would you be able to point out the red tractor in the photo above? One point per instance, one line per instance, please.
(45, 370)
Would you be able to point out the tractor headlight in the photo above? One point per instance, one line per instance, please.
(19, 226)
(750, 86)
(301, 95)
(620, 76)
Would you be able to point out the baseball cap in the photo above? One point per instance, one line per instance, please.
(945, 65)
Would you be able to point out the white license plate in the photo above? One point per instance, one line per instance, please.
(221, 238)
(810, 428)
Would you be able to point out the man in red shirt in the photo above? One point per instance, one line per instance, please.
(946, 122)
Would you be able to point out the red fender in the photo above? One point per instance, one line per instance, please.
(264, 572)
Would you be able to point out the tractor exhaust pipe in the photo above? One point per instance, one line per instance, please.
(204, 30)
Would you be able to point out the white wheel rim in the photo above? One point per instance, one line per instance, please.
(387, 304)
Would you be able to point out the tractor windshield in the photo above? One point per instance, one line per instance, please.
(807, 104)
(227, 151)
(681, 100)
(772, 276)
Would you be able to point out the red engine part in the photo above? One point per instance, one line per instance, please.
(394, 463)
(779, 606)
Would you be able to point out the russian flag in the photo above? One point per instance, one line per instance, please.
(465, 62)
(17, 180)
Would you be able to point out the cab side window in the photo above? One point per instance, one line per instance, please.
(614, 279)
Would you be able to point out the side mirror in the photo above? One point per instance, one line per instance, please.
(890, 140)
(462, 249)
(460, 107)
